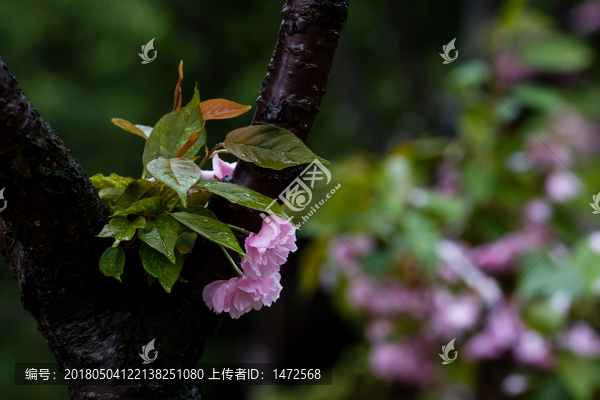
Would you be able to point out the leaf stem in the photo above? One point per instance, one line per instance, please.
(209, 155)
(235, 267)
(237, 228)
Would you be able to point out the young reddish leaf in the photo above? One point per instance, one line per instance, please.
(190, 142)
(221, 109)
(178, 96)
(129, 127)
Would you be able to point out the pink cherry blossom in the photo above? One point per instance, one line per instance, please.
(260, 282)
(207, 174)
(237, 296)
(264, 289)
(220, 169)
(269, 249)
(215, 295)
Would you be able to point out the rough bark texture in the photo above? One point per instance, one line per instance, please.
(53, 213)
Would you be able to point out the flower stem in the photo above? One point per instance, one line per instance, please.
(235, 267)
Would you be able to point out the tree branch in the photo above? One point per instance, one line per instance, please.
(291, 93)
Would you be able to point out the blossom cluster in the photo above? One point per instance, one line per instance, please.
(260, 282)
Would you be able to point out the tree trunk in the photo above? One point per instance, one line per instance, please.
(53, 213)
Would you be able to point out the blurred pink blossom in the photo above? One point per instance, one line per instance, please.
(575, 130)
(545, 153)
(379, 330)
(498, 257)
(533, 349)
(385, 299)
(345, 250)
(582, 339)
(562, 186)
(405, 361)
(448, 179)
(585, 17)
(515, 384)
(453, 314)
(510, 69)
(537, 211)
(501, 332)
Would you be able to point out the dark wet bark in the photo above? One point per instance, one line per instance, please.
(53, 213)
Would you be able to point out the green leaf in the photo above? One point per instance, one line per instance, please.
(106, 232)
(180, 174)
(423, 237)
(246, 197)
(579, 375)
(161, 234)
(198, 198)
(586, 262)
(541, 317)
(112, 262)
(547, 278)
(198, 210)
(110, 194)
(113, 181)
(212, 229)
(123, 229)
(556, 53)
(149, 206)
(173, 130)
(160, 267)
(269, 147)
(135, 191)
(202, 182)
